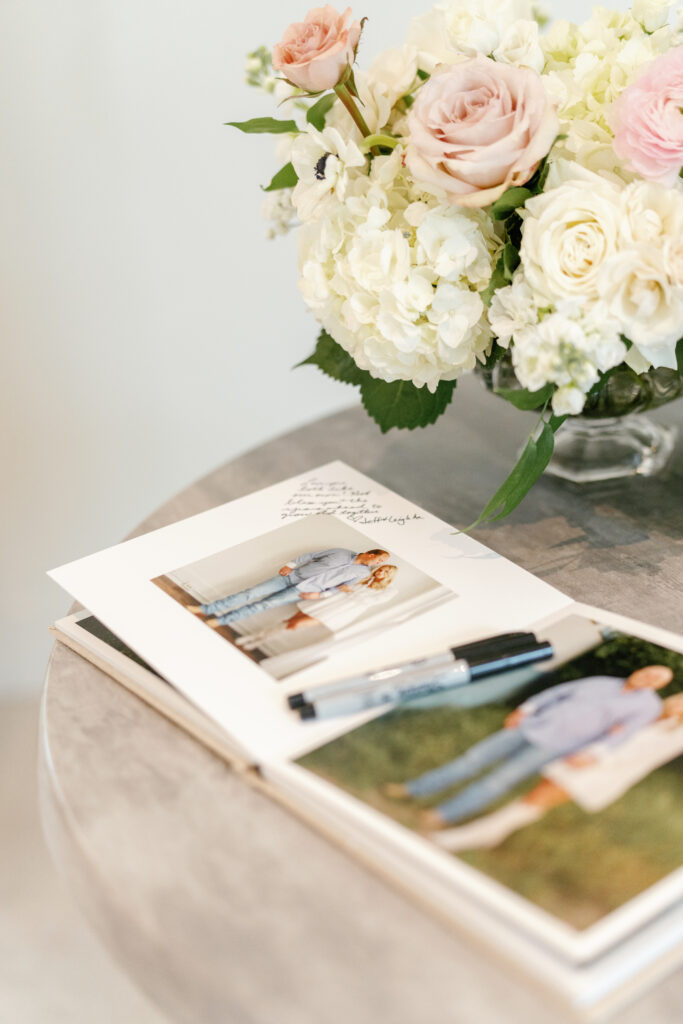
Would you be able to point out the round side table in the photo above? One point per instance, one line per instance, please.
(221, 905)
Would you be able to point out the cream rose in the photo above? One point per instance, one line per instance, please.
(638, 293)
(313, 54)
(477, 128)
(568, 233)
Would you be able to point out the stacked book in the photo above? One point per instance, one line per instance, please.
(479, 738)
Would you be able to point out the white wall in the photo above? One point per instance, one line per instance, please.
(148, 328)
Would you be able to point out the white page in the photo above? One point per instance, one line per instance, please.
(489, 595)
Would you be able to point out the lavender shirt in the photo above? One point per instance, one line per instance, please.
(567, 717)
(319, 571)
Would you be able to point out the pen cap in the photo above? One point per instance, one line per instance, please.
(510, 659)
(492, 645)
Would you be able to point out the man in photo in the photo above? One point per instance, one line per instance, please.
(558, 722)
(593, 782)
(307, 577)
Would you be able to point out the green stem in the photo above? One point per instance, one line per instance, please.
(350, 104)
(387, 141)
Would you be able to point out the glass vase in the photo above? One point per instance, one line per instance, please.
(611, 438)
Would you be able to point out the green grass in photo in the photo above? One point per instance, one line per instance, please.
(576, 865)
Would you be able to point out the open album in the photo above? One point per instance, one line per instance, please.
(511, 759)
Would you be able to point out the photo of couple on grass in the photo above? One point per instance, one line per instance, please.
(568, 791)
(313, 587)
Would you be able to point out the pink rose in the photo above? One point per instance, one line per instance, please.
(314, 53)
(477, 128)
(647, 120)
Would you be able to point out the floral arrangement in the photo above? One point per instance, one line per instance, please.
(485, 191)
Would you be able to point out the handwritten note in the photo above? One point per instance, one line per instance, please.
(338, 498)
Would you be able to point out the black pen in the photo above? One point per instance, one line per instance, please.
(404, 686)
(425, 668)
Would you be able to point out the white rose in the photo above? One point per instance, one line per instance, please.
(512, 309)
(652, 213)
(519, 45)
(652, 14)
(636, 289)
(672, 253)
(568, 233)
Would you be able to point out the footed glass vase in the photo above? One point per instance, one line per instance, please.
(611, 438)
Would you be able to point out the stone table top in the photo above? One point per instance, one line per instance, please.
(220, 904)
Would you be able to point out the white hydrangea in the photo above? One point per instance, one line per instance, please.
(394, 276)
(278, 211)
(587, 66)
(652, 14)
(569, 348)
(457, 29)
(512, 309)
(520, 45)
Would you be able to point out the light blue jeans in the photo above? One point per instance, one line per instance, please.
(288, 595)
(252, 594)
(518, 760)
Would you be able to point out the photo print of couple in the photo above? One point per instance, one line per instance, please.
(298, 592)
(565, 786)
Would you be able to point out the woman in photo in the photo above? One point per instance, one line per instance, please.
(334, 612)
(592, 778)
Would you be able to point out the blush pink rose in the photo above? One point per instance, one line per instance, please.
(477, 128)
(314, 53)
(647, 120)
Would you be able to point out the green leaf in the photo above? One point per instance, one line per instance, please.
(531, 464)
(286, 177)
(509, 202)
(521, 398)
(316, 114)
(401, 404)
(398, 404)
(679, 356)
(508, 261)
(422, 75)
(348, 80)
(495, 355)
(264, 126)
(498, 280)
(334, 361)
